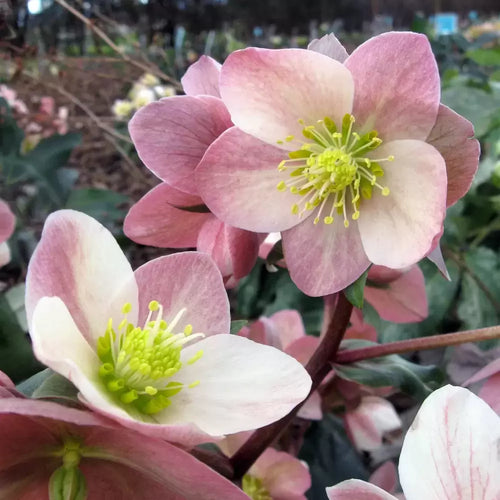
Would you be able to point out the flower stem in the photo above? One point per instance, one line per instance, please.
(318, 367)
(418, 344)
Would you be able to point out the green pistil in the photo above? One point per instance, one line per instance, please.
(333, 170)
(138, 363)
(254, 488)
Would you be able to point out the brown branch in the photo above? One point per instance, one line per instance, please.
(419, 344)
(318, 367)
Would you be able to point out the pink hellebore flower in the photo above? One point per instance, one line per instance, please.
(7, 224)
(45, 447)
(171, 136)
(449, 452)
(490, 389)
(150, 348)
(347, 156)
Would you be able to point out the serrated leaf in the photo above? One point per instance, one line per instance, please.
(393, 371)
(355, 291)
(237, 325)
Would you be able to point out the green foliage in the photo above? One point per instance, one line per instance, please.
(355, 291)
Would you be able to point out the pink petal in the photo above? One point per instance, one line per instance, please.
(302, 348)
(451, 449)
(202, 77)
(329, 46)
(385, 476)
(79, 261)
(403, 301)
(359, 329)
(172, 135)
(7, 221)
(355, 489)
(289, 326)
(311, 409)
(185, 280)
(237, 179)
(263, 332)
(436, 257)
(489, 370)
(397, 85)
(490, 392)
(233, 250)
(323, 259)
(398, 230)
(154, 220)
(253, 89)
(452, 136)
(384, 275)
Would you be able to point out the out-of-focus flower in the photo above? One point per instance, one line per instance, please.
(51, 451)
(7, 224)
(150, 349)
(171, 137)
(449, 452)
(350, 162)
(490, 388)
(122, 108)
(10, 96)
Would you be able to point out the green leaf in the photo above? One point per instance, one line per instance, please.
(53, 153)
(56, 386)
(237, 325)
(30, 385)
(393, 370)
(485, 57)
(198, 209)
(355, 291)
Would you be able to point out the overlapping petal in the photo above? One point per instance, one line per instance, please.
(202, 77)
(355, 489)
(7, 221)
(329, 46)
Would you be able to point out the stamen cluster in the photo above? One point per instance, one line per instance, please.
(254, 488)
(332, 169)
(138, 363)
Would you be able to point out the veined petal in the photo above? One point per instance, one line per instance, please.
(174, 281)
(238, 179)
(398, 230)
(7, 221)
(323, 259)
(157, 220)
(452, 135)
(202, 77)
(451, 449)
(79, 261)
(329, 46)
(243, 385)
(397, 85)
(267, 91)
(355, 489)
(172, 135)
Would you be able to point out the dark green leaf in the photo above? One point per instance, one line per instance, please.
(237, 325)
(355, 291)
(56, 386)
(276, 253)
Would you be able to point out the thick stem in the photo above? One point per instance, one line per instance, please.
(419, 344)
(318, 367)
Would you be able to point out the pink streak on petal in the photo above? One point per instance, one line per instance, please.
(404, 300)
(397, 86)
(323, 259)
(233, 250)
(385, 477)
(452, 137)
(398, 230)
(267, 91)
(202, 77)
(79, 261)
(185, 280)
(451, 449)
(171, 136)
(329, 46)
(355, 489)
(7, 221)
(237, 179)
(154, 220)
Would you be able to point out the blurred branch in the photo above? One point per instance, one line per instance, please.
(147, 67)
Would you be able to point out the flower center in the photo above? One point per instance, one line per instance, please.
(138, 363)
(332, 172)
(254, 488)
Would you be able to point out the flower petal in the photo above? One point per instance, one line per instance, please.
(288, 323)
(398, 230)
(451, 449)
(355, 489)
(267, 91)
(185, 280)
(436, 257)
(403, 300)
(7, 221)
(79, 261)
(243, 385)
(385, 476)
(397, 85)
(329, 46)
(155, 219)
(237, 179)
(172, 135)
(452, 135)
(202, 77)
(4, 254)
(233, 250)
(323, 259)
